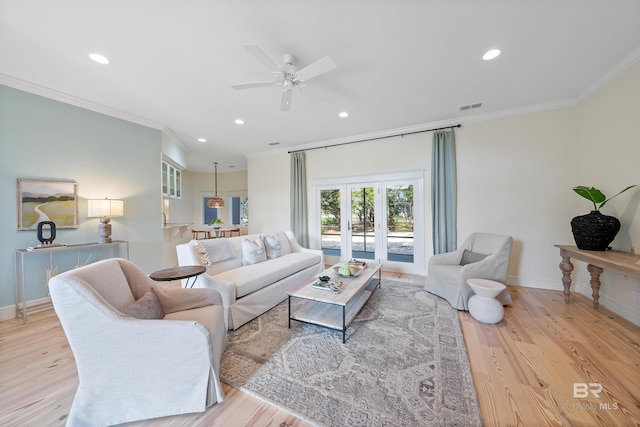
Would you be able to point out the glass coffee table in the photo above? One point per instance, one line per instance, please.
(330, 309)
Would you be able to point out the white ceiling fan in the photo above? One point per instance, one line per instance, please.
(286, 75)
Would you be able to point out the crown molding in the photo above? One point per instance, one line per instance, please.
(423, 127)
(613, 74)
(36, 89)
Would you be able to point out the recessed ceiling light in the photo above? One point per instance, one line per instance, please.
(239, 121)
(100, 59)
(343, 114)
(491, 54)
(202, 140)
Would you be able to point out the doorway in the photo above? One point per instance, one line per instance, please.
(375, 218)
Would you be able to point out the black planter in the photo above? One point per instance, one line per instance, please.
(594, 231)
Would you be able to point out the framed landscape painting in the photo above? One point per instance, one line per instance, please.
(41, 200)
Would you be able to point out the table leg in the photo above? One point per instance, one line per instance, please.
(595, 283)
(566, 268)
(344, 328)
(289, 311)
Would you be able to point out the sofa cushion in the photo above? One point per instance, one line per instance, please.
(253, 251)
(146, 307)
(250, 278)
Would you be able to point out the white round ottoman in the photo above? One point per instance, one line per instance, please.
(484, 306)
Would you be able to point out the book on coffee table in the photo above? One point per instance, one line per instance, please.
(326, 286)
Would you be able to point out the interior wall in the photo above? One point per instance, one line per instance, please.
(202, 184)
(609, 159)
(515, 176)
(45, 139)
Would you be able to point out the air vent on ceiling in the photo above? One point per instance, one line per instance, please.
(273, 143)
(471, 106)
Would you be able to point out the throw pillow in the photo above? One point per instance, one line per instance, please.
(469, 257)
(273, 246)
(201, 251)
(146, 307)
(253, 251)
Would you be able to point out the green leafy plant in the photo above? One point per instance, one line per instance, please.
(216, 221)
(596, 196)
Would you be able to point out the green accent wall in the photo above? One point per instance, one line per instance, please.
(41, 138)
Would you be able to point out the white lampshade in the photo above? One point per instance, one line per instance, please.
(105, 208)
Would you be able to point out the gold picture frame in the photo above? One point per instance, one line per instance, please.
(44, 200)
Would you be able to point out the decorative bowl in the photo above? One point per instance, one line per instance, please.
(355, 270)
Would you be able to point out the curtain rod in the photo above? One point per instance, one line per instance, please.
(373, 139)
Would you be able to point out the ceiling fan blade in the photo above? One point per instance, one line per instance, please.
(262, 57)
(321, 66)
(239, 86)
(285, 101)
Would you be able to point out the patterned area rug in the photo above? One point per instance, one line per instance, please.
(404, 364)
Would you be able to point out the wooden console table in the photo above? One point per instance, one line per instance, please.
(624, 263)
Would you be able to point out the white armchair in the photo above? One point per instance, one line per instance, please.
(129, 368)
(482, 256)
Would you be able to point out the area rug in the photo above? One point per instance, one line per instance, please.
(404, 364)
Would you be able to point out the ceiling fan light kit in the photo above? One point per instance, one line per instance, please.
(286, 75)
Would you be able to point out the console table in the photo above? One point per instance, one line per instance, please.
(35, 266)
(624, 263)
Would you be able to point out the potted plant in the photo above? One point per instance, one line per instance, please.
(595, 231)
(216, 222)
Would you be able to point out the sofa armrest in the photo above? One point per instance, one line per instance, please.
(175, 299)
(225, 288)
(492, 268)
(187, 254)
(295, 246)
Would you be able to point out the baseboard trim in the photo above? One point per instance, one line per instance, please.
(8, 312)
(617, 307)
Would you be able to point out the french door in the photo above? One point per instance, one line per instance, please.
(378, 218)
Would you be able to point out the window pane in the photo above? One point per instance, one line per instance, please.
(363, 240)
(400, 223)
(330, 227)
(209, 214)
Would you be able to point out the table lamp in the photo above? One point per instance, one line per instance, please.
(105, 209)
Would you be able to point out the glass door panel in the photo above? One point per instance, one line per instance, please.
(331, 225)
(400, 225)
(362, 225)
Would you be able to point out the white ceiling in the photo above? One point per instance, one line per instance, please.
(403, 65)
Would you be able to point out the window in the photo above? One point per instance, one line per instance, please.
(171, 181)
(239, 210)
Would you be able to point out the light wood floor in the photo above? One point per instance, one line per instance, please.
(524, 369)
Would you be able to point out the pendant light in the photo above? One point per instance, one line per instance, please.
(216, 202)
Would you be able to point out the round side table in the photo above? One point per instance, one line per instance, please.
(483, 306)
(179, 273)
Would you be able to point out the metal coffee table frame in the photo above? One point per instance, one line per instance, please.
(335, 310)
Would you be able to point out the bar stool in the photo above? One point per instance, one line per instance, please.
(230, 231)
(196, 234)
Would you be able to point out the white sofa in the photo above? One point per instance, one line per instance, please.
(157, 359)
(250, 290)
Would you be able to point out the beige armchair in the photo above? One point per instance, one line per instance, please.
(482, 256)
(165, 363)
